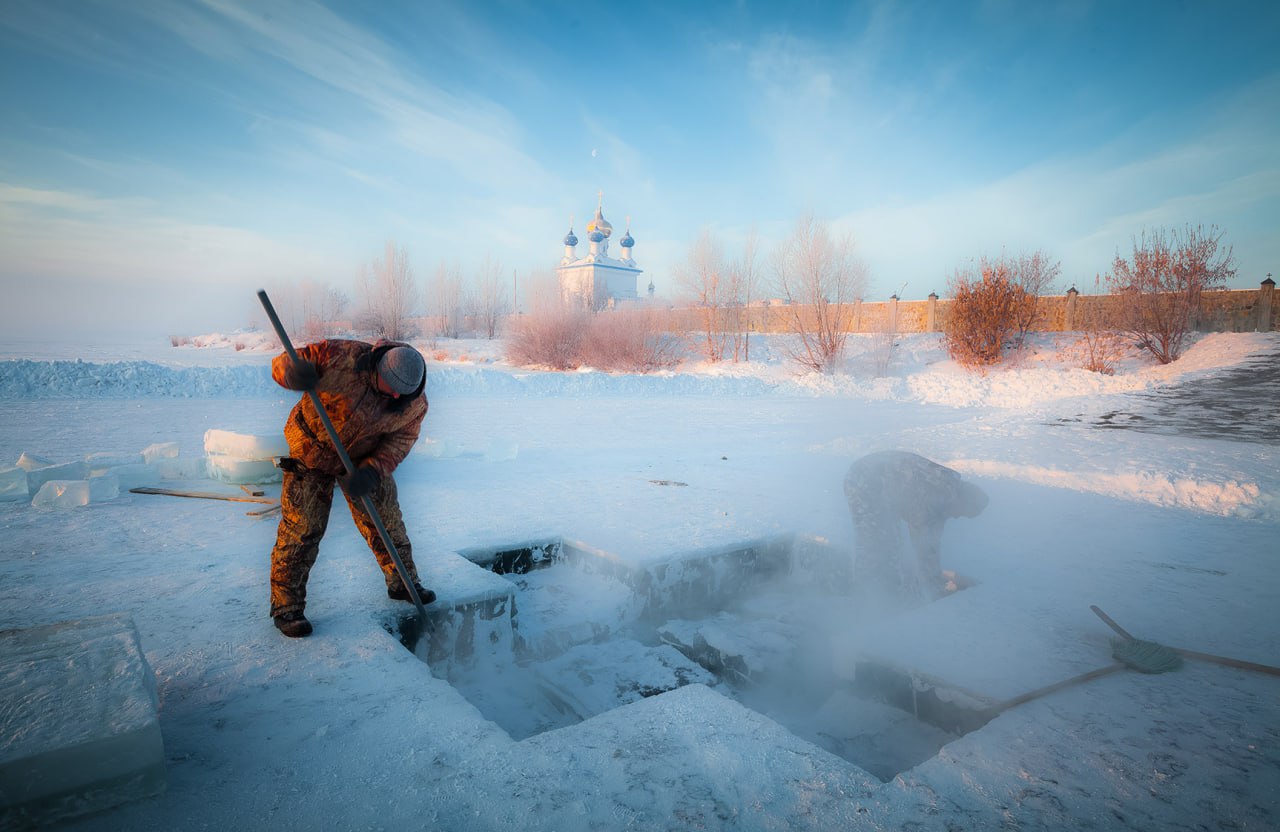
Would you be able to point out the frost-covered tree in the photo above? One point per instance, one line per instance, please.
(447, 300)
(389, 293)
(744, 280)
(704, 280)
(490, 303)
(821, 279)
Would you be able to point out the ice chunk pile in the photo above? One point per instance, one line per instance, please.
(97, 477)
(79, 731)
(244, 458)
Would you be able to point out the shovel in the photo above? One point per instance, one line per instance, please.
(366, 500)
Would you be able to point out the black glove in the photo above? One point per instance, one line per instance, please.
(364, 481)
(301, 375)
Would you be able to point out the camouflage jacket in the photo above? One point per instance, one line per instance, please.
(374, 428)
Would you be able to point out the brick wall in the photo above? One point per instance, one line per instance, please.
(1227, 310)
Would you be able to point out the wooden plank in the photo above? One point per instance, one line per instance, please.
(202, 495)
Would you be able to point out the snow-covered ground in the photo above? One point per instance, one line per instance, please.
(1175, 536)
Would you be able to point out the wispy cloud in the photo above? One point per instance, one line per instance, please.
(477, 139)
(49, 233)
(1080, 209)
(14, 199)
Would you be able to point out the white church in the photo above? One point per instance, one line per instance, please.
(598, 281)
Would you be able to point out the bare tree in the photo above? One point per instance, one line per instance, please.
(447, 301)
(1036, 274)
(309, 308)
(490, 300)
(389, 293)
(322, 306)
(821, 279)
(744, 279)
(884, 340)
(1161, 284)
(703, 279)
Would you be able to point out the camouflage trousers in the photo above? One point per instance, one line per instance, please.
(306, 498)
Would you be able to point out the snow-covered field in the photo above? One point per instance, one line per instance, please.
(1175, 536)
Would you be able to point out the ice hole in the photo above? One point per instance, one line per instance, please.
(577, 632)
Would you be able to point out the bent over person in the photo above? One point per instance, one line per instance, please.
(373, 395)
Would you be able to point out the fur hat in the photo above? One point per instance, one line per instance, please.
(401, 369)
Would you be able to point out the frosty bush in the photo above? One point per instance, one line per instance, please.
(566, 337)
(883, 341)
(986, 315)
(550, 335)
(1161, 284)
(629, 341)
(1099, 347)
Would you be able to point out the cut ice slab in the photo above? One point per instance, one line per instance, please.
(104, 487)
(132, 476)
(244, 445)
(584, 682)
(182, 468)
(62, 494)
(30, 462)
(101, 461)
(160, 450)
(78, 731)
(13, 483)
(594, 678)
(36, 478)
(733, 647)
(234, 469)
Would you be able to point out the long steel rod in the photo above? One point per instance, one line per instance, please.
(366, 500)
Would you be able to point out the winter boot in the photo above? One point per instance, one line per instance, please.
(401, 593)
(293, 624)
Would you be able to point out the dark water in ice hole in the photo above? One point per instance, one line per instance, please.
(578, 646)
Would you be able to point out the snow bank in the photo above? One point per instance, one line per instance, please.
(126, 380)
(1161, 488)
(240, 340)
(25, 379)
(918, 372)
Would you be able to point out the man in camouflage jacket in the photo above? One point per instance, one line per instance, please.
(373, 394)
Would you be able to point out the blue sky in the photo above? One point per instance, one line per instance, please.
(159, 161)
